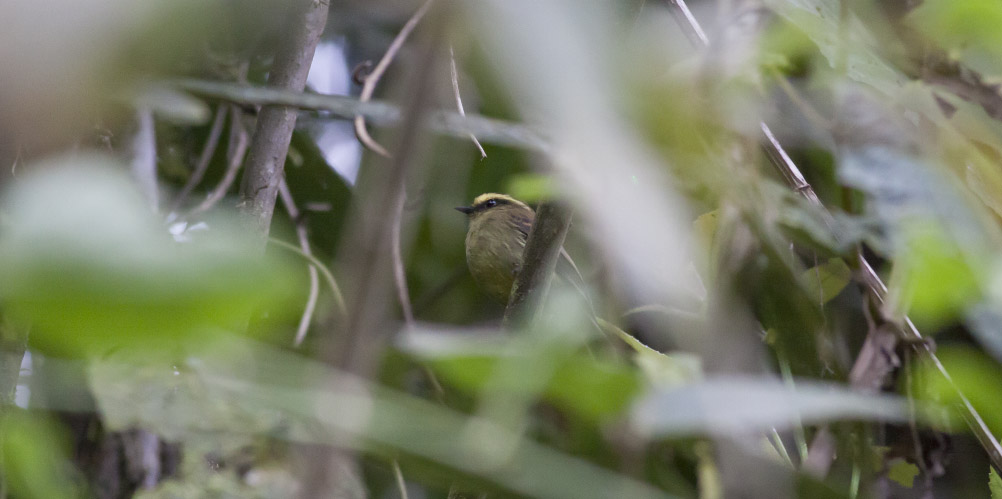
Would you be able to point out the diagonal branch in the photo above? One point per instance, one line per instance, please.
(270, 145)
(542, 250)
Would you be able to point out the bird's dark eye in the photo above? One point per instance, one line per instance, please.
(491, 203)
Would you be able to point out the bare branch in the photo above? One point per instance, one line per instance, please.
(211, 143)
(369, 87)
(235, 157)
(270, 145)
(542, 250)
(399, 273)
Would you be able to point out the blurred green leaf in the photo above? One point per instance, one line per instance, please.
(967, 28)
(530, 187)
(938, 280)
(827, 280)
(592, 388)
(704, 228)
(994, 483)
(903, 472)
(89, 266)
(35, 461)
(749, 405)
(972, 373)
(242, 382)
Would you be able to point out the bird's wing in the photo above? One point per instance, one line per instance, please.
(523, 224)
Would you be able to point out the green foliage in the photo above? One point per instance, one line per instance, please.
(35, 461)
(994, 483)
(648, 387)
(84, 261)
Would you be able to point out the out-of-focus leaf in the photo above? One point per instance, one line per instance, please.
(746, 405)
(262, 382)
(819, 19)
(973, 373)
(827, 280)
(35, 463)
(903, 472)
(592, 388)
(994, 483)
(704, 228)
(985, 322)
(938, 281)
(660, 369)
(173, 104)
(530, 187)
(967, 28)
(89, 266)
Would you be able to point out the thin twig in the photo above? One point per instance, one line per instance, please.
(328, 277)
(304, 244)
(459, 98)
(399, 475)
(399, 273)
(373, 78)
(235, 157)
(209, 150)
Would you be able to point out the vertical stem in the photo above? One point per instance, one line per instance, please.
(270, 145)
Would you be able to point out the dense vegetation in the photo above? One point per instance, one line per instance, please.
(224, 274)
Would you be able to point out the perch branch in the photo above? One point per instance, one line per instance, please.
(542, 250)
(270, 145)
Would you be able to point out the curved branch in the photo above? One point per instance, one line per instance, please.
(369, 87)
(211, 143)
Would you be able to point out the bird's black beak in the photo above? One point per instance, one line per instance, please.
(465, 209)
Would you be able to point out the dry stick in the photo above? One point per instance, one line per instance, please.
(459, 98)
(399, 475)
(369, 87)
(399, 273)
(275, 124)
(865, 361)
(235, 157)
(209, 150)
(542, 250)
(304, 244)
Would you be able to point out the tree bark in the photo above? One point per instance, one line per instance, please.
(539, 259)
(270, 145)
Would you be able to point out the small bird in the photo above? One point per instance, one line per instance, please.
(499, 229)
